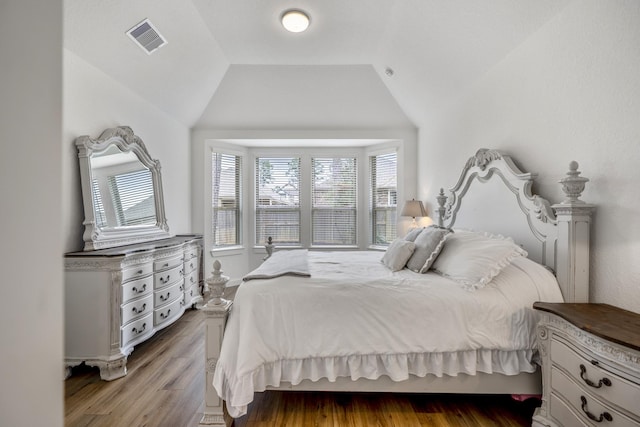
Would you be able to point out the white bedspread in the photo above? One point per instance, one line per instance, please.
(294, 263)
(353, 317)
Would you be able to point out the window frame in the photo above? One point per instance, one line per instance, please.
(256, 158)
(333, 209)
(219, 146)
(238, 186)
(371, 155)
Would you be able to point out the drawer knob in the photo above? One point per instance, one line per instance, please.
(144, 287)
(604, 381)
(163, 280)
(164, 298)
(164, 316)
(137, 310)
(603, 416)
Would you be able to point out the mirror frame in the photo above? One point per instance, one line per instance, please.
(101, 238)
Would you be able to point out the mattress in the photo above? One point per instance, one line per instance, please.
(355, 318)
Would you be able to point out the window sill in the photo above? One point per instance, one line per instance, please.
(227, 251)
(334, 248)
(378, 248)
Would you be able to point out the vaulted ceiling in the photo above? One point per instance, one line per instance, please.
(437, 49)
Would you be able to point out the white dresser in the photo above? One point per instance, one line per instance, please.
(117, 298)
(590, 364)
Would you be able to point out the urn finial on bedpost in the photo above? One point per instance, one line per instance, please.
(269, 248)
(216, 284)
(442, 199)
(573, 184)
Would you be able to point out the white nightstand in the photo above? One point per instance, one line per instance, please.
(590, 365)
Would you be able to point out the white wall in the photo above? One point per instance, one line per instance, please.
(31, 291)
(93, 102)
(570, 92)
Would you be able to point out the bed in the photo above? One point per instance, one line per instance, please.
(457, 320)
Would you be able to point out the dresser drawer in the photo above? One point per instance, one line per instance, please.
(137, 272)
(191, 293)
(604, 384)
(137, 288)
(582, 402)
(166, 264)
(191, 280)
(564, 414)
(191, 253)
(168, 277)
(137, 329)
(168, 312)
(190, 265)
(168, 294)
(137, 308)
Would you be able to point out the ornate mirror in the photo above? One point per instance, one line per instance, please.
(121, 190)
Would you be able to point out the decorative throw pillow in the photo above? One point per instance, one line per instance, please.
(412, 234)
(429, 243)
(397, 254)
(474, 258)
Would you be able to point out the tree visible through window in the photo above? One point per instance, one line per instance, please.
(278, 200)
(384, 187)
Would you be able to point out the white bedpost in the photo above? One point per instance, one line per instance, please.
(574, 227)
(441, 210)
(216, 311)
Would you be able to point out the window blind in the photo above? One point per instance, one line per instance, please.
(225, 199)
(132, 197)
(278, 200)
(333, 201)
(384, 171)
(101, 217)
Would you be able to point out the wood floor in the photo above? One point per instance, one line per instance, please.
(164, 387)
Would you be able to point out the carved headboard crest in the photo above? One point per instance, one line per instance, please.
(483, 157)
(557, 235)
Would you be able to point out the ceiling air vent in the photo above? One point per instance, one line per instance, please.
(146, 36)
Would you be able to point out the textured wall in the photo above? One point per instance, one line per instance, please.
(570, 92)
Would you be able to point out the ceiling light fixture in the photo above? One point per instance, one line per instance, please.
(295, 21)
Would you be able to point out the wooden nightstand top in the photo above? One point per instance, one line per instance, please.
(603, 320)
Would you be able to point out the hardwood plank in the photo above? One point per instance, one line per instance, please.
(165, 388)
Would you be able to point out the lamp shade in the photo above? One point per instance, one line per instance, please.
(413, 208)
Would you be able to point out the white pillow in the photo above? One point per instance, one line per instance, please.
(429, 243)
(474, 258)
(411, 235)
(397, 254)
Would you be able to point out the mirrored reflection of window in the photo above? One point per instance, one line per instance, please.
(132, 198)
(100, 215)
(123, 190)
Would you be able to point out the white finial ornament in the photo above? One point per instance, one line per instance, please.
(217, 283)
(573, 184)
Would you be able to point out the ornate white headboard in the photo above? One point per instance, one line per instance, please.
(494, 195)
